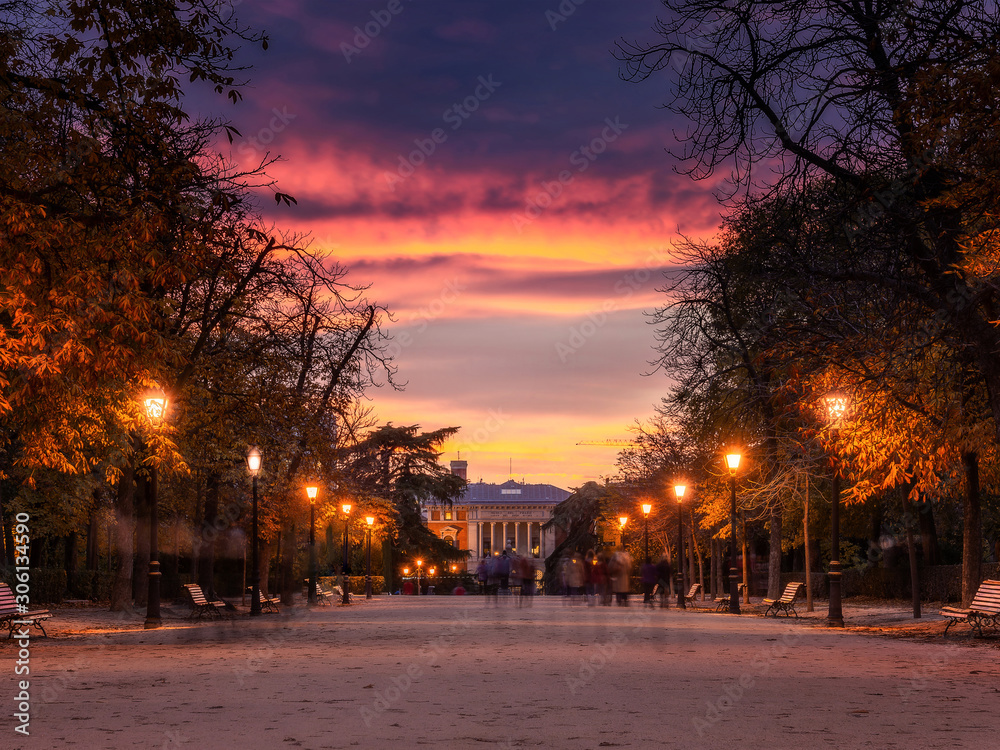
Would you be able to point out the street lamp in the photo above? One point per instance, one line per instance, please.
(311, 493)
(733, 462)
(346, 507)
(155, 403)
(622, 520)
(836, 404)
(646, 508)
(254, 458)
(419, 563)
(679, 490)
(370, 520)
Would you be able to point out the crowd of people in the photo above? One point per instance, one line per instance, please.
(507, 573)
(592, 577)
(597, 577)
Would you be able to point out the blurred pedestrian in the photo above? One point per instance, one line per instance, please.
(663, 581)
(619, 569)
(481, 575)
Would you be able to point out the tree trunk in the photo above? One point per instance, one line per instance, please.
(287, 580)
(696, 550)
(207, 534)
(746, 565)
(263, 564)
(690, 555)
(912, 547)
(774, 553)
(199, 498)
(121, 589)
(140, 562)
(972, 531)
(808, 557)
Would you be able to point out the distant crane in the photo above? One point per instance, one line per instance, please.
(611, 442)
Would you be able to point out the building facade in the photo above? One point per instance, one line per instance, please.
(489, 518)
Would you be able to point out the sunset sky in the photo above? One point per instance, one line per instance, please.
(508, 197)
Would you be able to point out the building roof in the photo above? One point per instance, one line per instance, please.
(512, 493)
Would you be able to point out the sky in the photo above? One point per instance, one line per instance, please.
(507, 196)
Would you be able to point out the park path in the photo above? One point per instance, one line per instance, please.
(452, 672)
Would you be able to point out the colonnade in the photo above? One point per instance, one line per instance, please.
(495, 535)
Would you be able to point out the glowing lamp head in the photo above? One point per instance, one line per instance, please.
(406, 571)
(431, 571)
(733, 462)
(346, 507)
(155, 404)
(679, 490)
(454, 568)
(370, 520)
(836, 404)
(419, 563)
(312, 492)
(254, 459)
(646, 508)
(622, 520)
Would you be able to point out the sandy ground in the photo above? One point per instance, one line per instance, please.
(454, 672)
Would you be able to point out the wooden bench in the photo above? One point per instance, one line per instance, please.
(267, 604)
(338, 592)
(11, 616)
(786, 603)
(722, 602)
(322, 595)
(984, 610)
(202, 606)
(692, 592)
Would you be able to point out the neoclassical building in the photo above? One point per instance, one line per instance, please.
(491, 517)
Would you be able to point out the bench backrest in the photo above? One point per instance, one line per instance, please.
(791, 591)
(197, 595)
(8, 604)
(987, 599)
(695, 588)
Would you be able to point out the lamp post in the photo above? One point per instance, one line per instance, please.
(836, 407)
(646, 508)
(311, 493)
(253, 466)
(155, 402)
(346, 507)
(622, 520)
(419, 563)
(679, 574)
(733, 463)
(370, 520)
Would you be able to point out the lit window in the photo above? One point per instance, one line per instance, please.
(447, 515)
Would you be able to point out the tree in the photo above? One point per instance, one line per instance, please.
(863, 96)
(400, 464)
